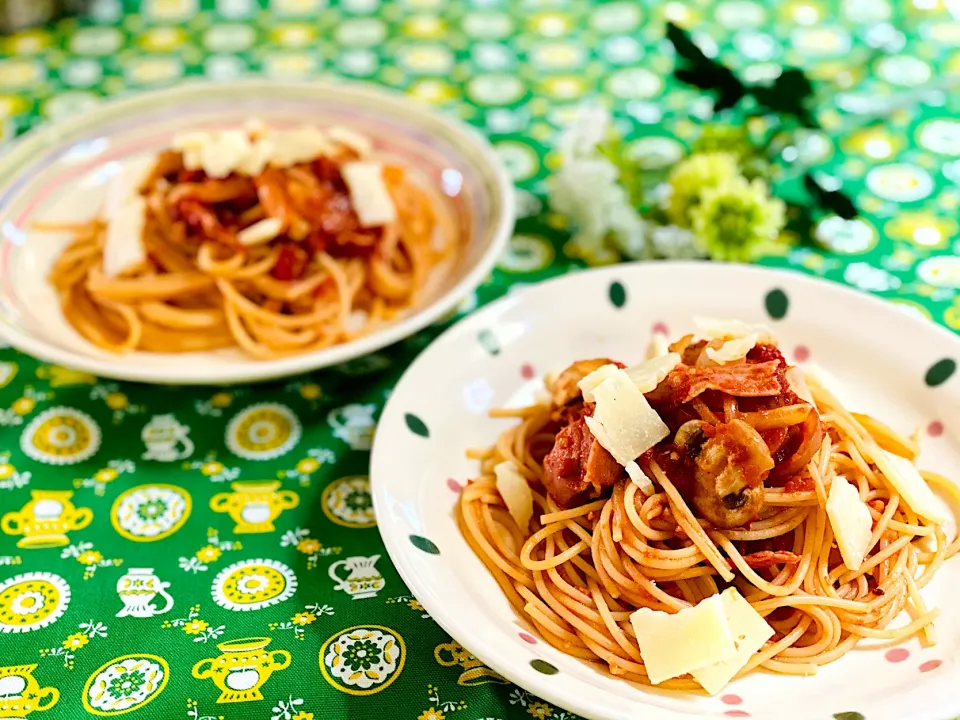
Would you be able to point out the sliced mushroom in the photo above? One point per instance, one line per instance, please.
(730, 462)
(564, 388)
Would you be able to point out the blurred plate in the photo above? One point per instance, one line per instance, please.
(59, 173)
(894, 366)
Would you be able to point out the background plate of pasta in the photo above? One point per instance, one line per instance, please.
(682, 490)
(242, 231)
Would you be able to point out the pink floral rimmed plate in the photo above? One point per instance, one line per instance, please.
(59, 173)
(890, 364)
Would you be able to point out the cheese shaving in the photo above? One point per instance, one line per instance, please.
(647, 375)
(674, 645)
(623, 421)
(516, 493)
(719, 329)
(749, 630)
(910, 484)
(851, 522)
(733, 350)
(639, 478)
(260, 232)
(798, 384)
(369, 194)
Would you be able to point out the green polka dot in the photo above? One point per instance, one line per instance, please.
(777, 303)
(618, 294)
(542, 666)
(940, 372)
(416, 425)
(488, 341)
(421, 543)
(849, 716)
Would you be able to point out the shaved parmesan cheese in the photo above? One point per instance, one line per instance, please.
(360, 144)
(659, 345)
(733, 350)
(647, 375)
(798, 384)
(910, 484)
(833, 388)
(674, 645)
(623, 421)
(516, 493)
(224, 152)
(260, 232)
(126, 184)
(369, 194)
(639, 478)
(716, 329)
(300, 145)
(592, 380)
(750, 631)
(254, 162)
(850, 520)
(123, 245)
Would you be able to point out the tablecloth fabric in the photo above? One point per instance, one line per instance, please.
(212, 553)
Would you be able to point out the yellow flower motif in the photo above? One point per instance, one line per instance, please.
(6, 470)
(303, 618)
(432, 714)
(75, 641)
(221, 400)
(310, 391)
(90, 557)
(195, 627)
(540, 710)
(212, 468)
(302, 715)
(208, 553)
(735, 218)
(308, 546)
(690, 177)
(116, 401)
(307, 466)
(23, 405)
(105, 475)
(415, 605)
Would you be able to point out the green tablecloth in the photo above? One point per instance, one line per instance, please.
(202, 550)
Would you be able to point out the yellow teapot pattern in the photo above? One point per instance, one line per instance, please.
(242, 668)
(254, 504)
(21, 694)
(46, 519)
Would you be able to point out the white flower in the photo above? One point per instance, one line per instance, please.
(580, 138)
(587, 192)
(675, 243)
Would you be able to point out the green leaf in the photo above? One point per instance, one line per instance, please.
(834, 201)
(790, 94)
(695, 68)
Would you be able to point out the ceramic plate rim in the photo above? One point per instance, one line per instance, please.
(47, 133)
(396, 537)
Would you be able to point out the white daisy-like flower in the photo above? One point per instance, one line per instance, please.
(26, 603)
(675, 243)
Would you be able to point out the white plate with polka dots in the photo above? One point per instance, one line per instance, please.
(893, 365)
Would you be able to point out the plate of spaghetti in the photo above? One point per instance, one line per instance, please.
(242, 231)
(631, 504)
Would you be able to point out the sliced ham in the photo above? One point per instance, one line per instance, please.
(684, 383)
(578, 467)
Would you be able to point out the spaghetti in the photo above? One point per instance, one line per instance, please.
(588, 560)
(317, 277)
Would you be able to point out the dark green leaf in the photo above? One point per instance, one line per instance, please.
(790, 94)
(695, 68)
(834, 201)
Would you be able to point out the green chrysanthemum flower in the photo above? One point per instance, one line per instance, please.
(733, 139)
(691, 177)
(736, 217)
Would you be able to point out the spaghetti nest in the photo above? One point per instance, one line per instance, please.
(321, 279)
(580, 570)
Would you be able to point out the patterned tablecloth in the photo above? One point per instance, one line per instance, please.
(213, 552)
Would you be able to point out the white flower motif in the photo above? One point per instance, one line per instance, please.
(867, 277)
(675, 243)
